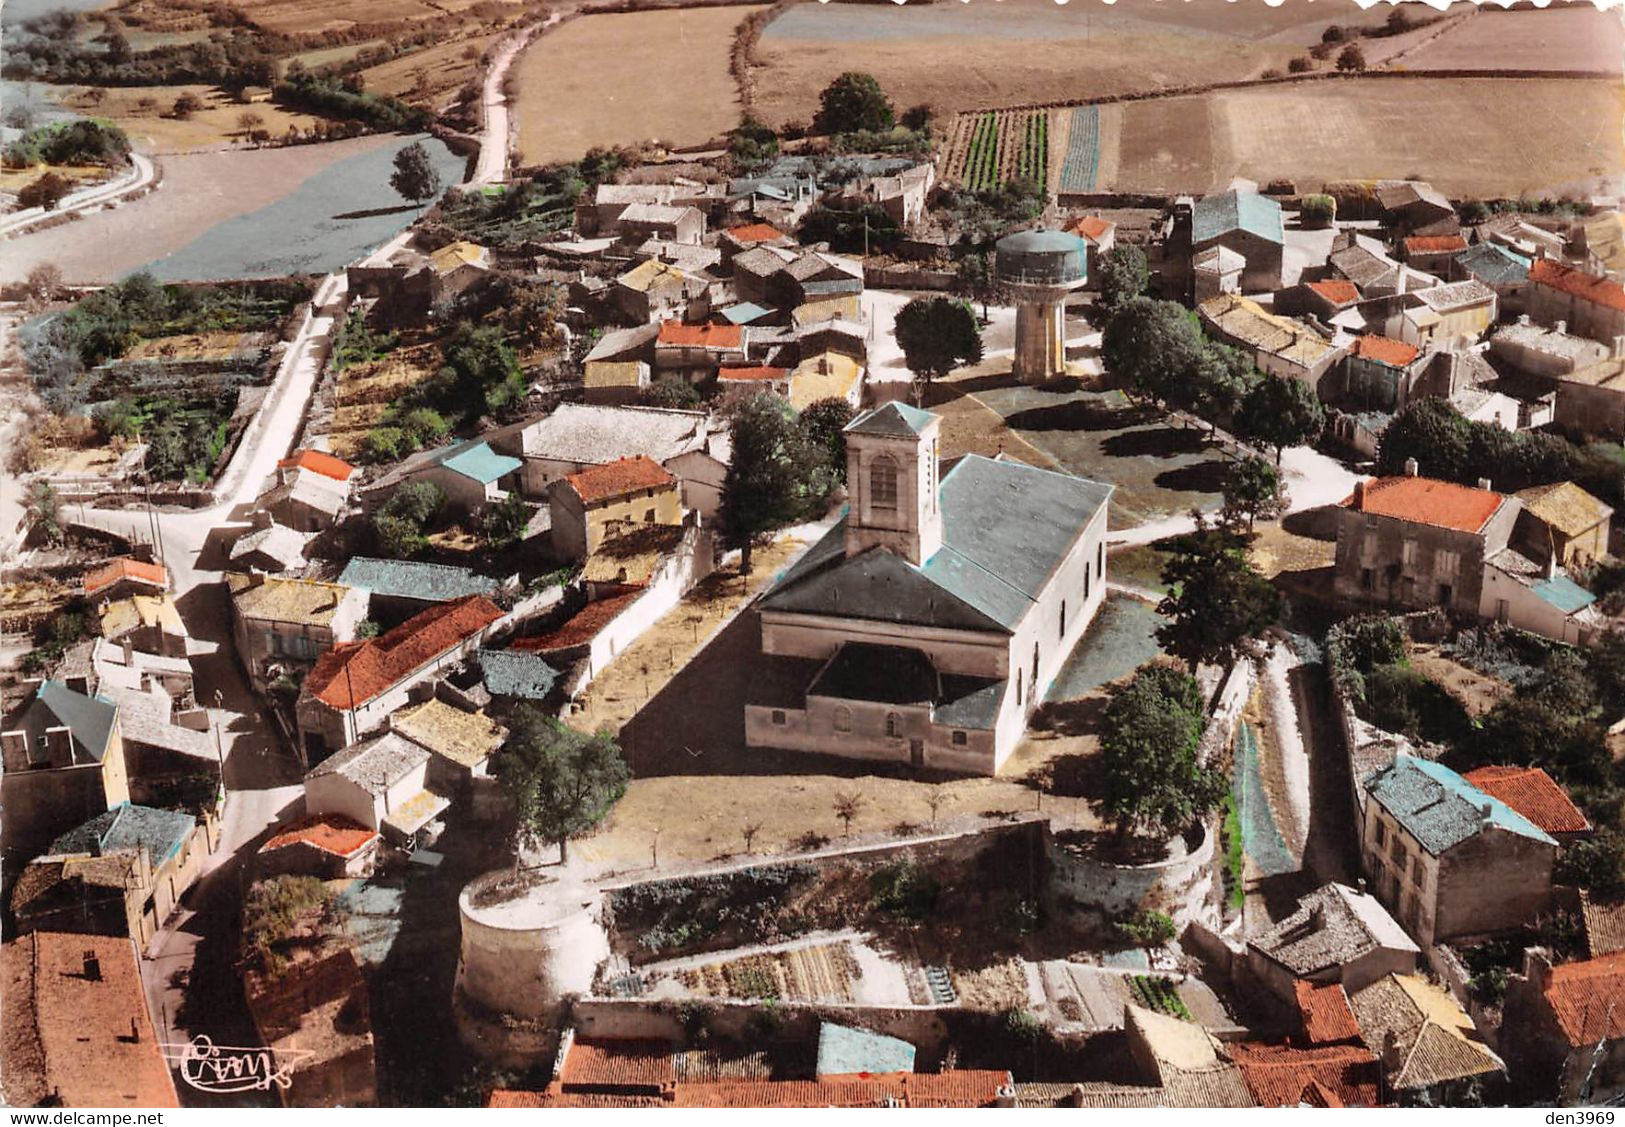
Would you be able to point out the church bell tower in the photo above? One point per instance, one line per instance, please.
(892, 483)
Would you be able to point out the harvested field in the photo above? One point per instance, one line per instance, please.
(215, 125)
(430, 77)
(1480, 137)
(627, 79)
(294, 17)
(365, 391)
(1580, 38)
(1002, 986)
(199, 191)
(1014, 52)
(1477, 692)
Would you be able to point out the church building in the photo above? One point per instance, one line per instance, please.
(930, 621)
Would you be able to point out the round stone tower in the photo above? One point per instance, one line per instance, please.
(1040, 268)
(530, 940)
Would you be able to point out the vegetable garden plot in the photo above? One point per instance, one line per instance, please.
(987, 150)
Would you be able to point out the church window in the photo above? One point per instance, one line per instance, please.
(1035, 667)
(778, 716)
(883, 483)
(1018, 688)
(843, 719)
(894, 726)
(1100, 560)
(1063, 618)
(960, 739)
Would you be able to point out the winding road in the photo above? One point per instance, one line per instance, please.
(141, 173)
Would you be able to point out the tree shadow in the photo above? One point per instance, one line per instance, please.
(1081, 414)
(1203, 477)
(1317, 524)
(1157, 442)
(373, 212)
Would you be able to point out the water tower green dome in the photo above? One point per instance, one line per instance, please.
(1042, 257)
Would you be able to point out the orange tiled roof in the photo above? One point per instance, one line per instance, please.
(1588, 999)
(622, 1065)
(350, 675)
(1316, 1094)
(1090, 227)
(753, 372)
(331, 833)
(555, 1097)
(961, 1088)
(1327, 1015)
(1336, 291)
(1278, 1075)
(1394, 353)
(582, 628)
(1587, 287)
(700, 336)
(619, 478)
(1434, 244)
(1534, 794)
(755, 233)
(1424, 500)
(317, 461)
(122, 568)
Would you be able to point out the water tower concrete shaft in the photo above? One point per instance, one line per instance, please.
(1040, 268)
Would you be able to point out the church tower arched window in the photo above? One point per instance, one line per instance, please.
(883, 483)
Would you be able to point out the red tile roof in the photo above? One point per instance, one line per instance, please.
(1534, 794)
(1279, 1075)
(962, 1088)
(1336, 291)
(1587, 287)
(86, 1039)
(755, 233)
(618, 1065)
(1318, 1095)
(753, 372)
(555, 1097)
(1091, 227)
(1327, 1015)
(113, 571)
(316, 461)
(1434, 244)
(619, 478)
(1588, 999)
(350, 675)
(581, 629)
(1394, 353)
(331, 833)
(700, 336)
(1423, 500)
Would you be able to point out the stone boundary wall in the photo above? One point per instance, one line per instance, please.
(906, 278)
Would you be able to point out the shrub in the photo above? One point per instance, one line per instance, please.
(1023, 1026)
(1300, 65)
(383, 444)
(1146, 928)
(1318, 210)
(1351, 58)
(903, 891)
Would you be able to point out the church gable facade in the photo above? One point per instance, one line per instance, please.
(929, 622)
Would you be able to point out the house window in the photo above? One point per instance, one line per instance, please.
(1407, 553)
(1382, 833)
(894, 726)
(1367, 580)
(1416, 871)
(1035, 667)
(1396, 850)
(778, 717)
(1018, 688)
(1369, 547)
(883, 483)
(1446, 562)
(1500, 610)
(648, 516)
(1447, 594)
(843, 719)
(1063, 612)
(960, 739)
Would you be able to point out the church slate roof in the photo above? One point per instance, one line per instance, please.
(896, 419)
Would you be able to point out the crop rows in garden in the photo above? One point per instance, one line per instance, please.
(991, 148)
(1082, 162)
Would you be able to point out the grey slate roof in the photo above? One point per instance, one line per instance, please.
(1333, 925)
(413, 579)
(1440, 808)
(90, 719)
(895, 419)
(162, 832)
(1494, 265)
(617, 343)
(517, 673)
(1217, 215)
(591, 435)
(375, 764)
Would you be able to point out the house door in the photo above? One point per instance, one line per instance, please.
(916, 752)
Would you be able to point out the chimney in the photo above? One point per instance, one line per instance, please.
(1392, 1059)
(1560, 327)
(1551, 566)
(1484, 484)
(1484, 809)
(1537, 968)
(1523, 319)
(1411, 468)
(1005, 1096)
(1359, 496)
(93, 967)
(1359, 886)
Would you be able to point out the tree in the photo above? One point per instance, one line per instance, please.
(1318, 210)
(185, 106)
(44, 193)
(1220, 381)
(248, 122)
(1216, 600)
(503, 524)
(1150, 346)
(1300, 64)
(853, 103)
(561, 782)
(1351, 58)
(1280, 411)
(1332, 34)
(44, 281)
(672, 392)
(398, 525)
(1148, 744)
(414, 177)
(974, 280)
(749, 831)
(44, 511)
(479, 361)
(917, 117)
(768, 483)
(1252, 489)
(752, 143)
(1594, 864)
(937, 335)
(824, 424)
(1124, 276)
(847, 805)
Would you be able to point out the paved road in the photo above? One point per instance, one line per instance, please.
(141, 173)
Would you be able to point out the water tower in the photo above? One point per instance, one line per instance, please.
(1040, 268)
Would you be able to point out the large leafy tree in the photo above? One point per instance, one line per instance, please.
(937, 335)
(853, 103)
(1252, 489)
(1148, 750)
(1280, 411)
(1216, 600)
(774, 475)
(1124, 276)
(1150, 347)
(974, 280)
(479, 361)
(414, 177)
(561, 782)
(824, 423)
(1219, 383)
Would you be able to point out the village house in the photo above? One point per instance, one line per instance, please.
(1247, 224)
(328, 846)
(1536, 795)
(149, 623)
(1325, 299)
(614, 383)
(1431, 254)
(1430, 1051)
(902, 196)
(1564, 521)
(1216, 270)
(1453, 312)
(1601, 239)
(86, 894)
(1519, 235)
(457, 266)
(787, 278)
(827, 374)
(380, 783)
(119, 578)
(75, 1025)
(1570, 1022)
(273, 549)
(1099, 235)
(641, 221)
(1589, 305)
(1410, 543)
(462, 742)
(1502, 270)
(516, 677)
(1365, 265)
(1279, 345)
(1336, 935)
(927, 624)
(354, 687)
(1539, 598)
(1415, 207)
(303, 500)
(1590, 401)
(1338, 1074)
(1380, 374)
(601, 215)
(1536, 350)
(586, 505)
(393, 590)
(654, 291)
(695, 352)
(747, 380)
(748, 236)
(470, 473)
(1448, 859)
(280, 626)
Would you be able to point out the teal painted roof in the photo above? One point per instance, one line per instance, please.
(1218, 215)
(1563, 593)
(895, 419)
(162, 832)
(413, 579)
(516, 673)
(1494, 265)
(478, 461)
(745, 312)
(1440, 808)
(843, 1051)
(90, 719)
